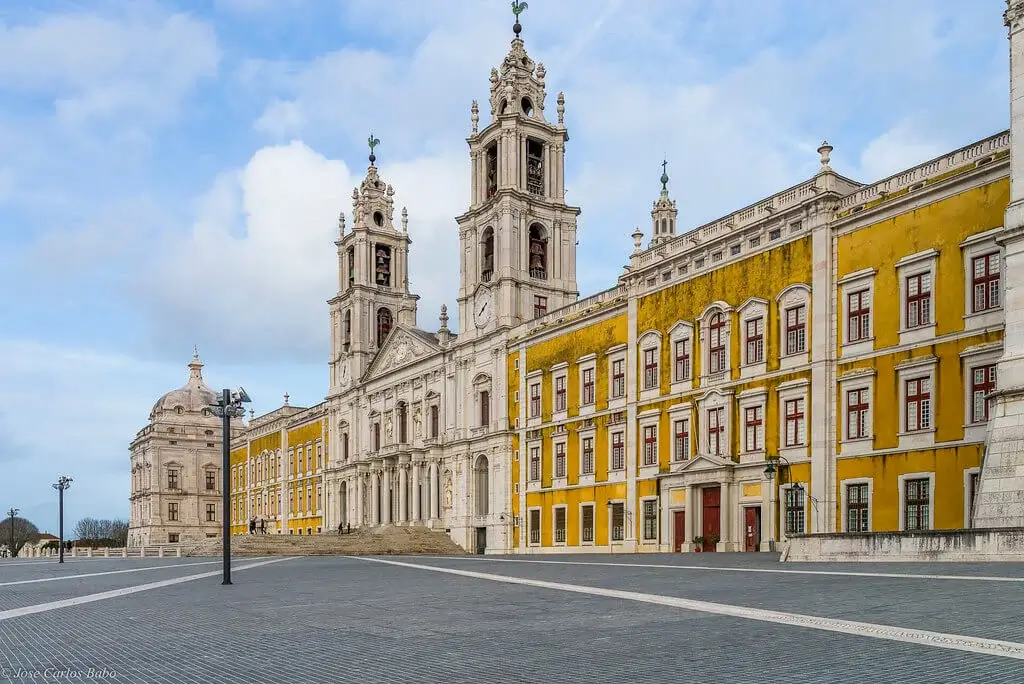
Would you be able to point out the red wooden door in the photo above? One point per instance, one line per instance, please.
(752, 526)
(679, 527)
(711, 499)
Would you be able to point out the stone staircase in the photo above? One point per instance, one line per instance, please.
(371, 541)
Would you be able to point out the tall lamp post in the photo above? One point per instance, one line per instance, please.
(769, 473)
(11, 513)
(228, 406)
(63, 482)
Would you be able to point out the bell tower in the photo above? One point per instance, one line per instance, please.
(663, 215)
(518, 238)
(373, 279)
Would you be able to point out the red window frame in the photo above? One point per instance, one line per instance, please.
(588, 386)
(535, 400)
(540, 306)
(752, 421)
(682, 360)
(618, 378)
(983, 381)
(796, 329)
(755, 339)
(918, 310)
(560, 393)
(650, 368)
(985, 281)
(794, 419)
(716, 430)
(560, 459)
(857, 406)
(858, 315)
(716, 344)
(682, 440)
(650, 445)
(919, 395)
(618, 451)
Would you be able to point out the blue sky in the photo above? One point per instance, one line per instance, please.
(153, 154)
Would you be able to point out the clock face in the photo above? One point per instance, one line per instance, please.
(482, 309)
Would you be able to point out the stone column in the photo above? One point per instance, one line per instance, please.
(433, 492)
(403, 493)
(725, 514)
(416, 481)
(375, 498)
(359, 500)
(385, 499)
(692, 505)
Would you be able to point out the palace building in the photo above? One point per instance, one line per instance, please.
(822, 360)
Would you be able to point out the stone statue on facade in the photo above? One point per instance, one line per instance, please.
(417, 422)
(389, 431)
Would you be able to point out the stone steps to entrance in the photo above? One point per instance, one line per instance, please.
(373, 541)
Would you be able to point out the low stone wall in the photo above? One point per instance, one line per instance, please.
(935, 545)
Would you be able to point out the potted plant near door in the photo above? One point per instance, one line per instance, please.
(713, 541)
(698, 544)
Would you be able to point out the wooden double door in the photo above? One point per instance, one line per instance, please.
(711, 516)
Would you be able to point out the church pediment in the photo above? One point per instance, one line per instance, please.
(401, 348)
(702, 462)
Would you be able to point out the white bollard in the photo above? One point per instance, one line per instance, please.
(142, 552)
(106, 552)
(160, 552)
(124, 552)
(88, 552)
(178, 552)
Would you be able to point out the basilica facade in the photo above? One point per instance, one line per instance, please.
(776, 371)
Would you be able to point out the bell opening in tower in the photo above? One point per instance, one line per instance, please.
(347, 339)
(538, 252)
(383, 325)
(351, 263)
(487, 262)
(534, 167)
(492, 169)
(383, 267)
(378, 219)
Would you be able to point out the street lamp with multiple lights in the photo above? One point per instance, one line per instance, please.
(11, 514)
(228, 406)
(63, 482)
(769, 472)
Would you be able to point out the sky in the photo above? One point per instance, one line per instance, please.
(171, 172)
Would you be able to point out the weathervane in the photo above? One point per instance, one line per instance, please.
(664, 174)
(518, 7)
(372, 142)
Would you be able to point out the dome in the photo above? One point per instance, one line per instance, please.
(192, 398)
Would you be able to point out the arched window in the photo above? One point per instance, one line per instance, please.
(347, 330)
(487, 255)
(538, 252)
(481, 478)
(716, 343)
(664, 225)
(383, 325)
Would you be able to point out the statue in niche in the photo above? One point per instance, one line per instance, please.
(389, 431)
(448, 491)
(417, 421)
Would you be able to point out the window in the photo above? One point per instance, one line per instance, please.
(650, 445)
(172, 512)
(587, 524)
(983, 381)
(535, 400)
(857, 508)
(918, 404)
(534, 464)
(618, 451)
(795, 515)
(560, 393)
(752, 422)
(560, 459)
(587, 457)
(915, 504)
(716, 430)
(734, 250)
(755, 242)
(618, 521)
(857, 413)
(485, 409)
(681, 445)
(985, 278)
(540, 306)
(344, 446)
(211, 480)
(919, 300)
(435, 420)
(650, 518)
(650, 368)
(775, 234)
(383, 326)
(858, 315)
(211, 512)
(796, 329)
(588, 387)
(376, 436)
(560, 525)
(717, 344)
(172, 479)
(682, 359)
(535, 527)
(172, 537)
(618, 378)
(755, 340)
(794, 422)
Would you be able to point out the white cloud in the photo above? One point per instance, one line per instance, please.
(897, 149)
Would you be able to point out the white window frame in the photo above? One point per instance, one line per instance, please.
(588, 362)
(715, 398)
(540, 526)
(925, 262)
(755, 307)
(783, 493)
(788, 391)
(625, 521)
(650, 339)
(682, 330)
(618, 353)
(859, 379)
(586, 479)
(704, 322)
(921, 367)
(849, 284)
(870, 482)
(531, 444)
(752, 398)
(797, 294)
(676, 412)
(976, 246)
(617, 475)
(657, 521)
(554, 525)
(579, 527)
(967, 493)
(648, 419)
(558, 482)
(560, 370)
(901, 483)
(974, 356)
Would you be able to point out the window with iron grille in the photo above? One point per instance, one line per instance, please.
(795, 513)
(650, 368)
(858, 315)
(857, 508)
(918, 404)
(682, 366)
(560, 525)
(535, 400)
(618, 522)
(534, 464)
(587, 456)
(211, 480)
(681, 447)
(618, 451)
(172, 479)
(172, 512)
(716, 430)
(755, 340)
(618, 379)
(588, 386)
(211, 512)
(587, 523)
(983, 381)
(919, 300)
(650, 445)
(985, 279)
(857, 413)
(560, 393)
(535, 527)
(916, 504)
(716, 344)
(560, 459)
(650, 519)
(752, 426)
(795, 429)
(796, 329)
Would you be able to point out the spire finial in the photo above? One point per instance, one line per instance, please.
(444, 317)
(475, 116)
(664, 175)
(637, 239)
(825, 151)
(252, 415)
(372, 142)
(341, 224)
(286, 397)
(405, 220)
(561, 108)
(518, 7)
(195, 351)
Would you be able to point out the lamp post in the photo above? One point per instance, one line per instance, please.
(228, 406)
(11, 513)
(769, 472)
(63, 482)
